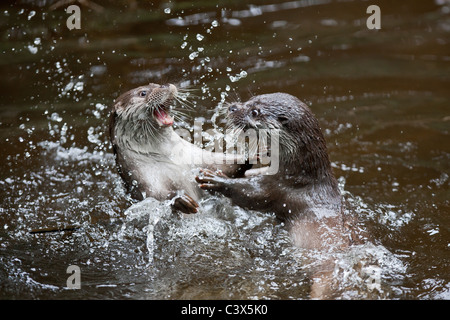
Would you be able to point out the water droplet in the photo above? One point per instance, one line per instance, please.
(193, 55)
(32, 49)
(32, 14)
(55, 117)
(79, 86)
(100, 106)
(239, 76)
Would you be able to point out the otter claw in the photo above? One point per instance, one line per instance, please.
(208, 186)
(210, 180)
(209, 175)
(185, 204)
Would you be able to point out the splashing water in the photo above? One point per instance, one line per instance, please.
(383, 111)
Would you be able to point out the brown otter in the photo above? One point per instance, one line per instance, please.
(304, 192)
(148, 150)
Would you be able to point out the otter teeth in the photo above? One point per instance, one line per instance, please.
(162, 117)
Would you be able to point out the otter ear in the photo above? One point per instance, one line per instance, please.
(112, 122)
(117, 107)
(283, 120)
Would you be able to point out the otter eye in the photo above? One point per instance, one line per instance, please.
(255, 112)
(143, 93)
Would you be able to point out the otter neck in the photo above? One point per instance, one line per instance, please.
(141, 136)
(308, 162)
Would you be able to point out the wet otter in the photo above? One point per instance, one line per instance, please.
(304, 192)
(148, 150)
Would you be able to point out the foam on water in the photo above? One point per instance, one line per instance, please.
(227, 242)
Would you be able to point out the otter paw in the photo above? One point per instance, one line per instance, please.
(211, 180)
(185, 204)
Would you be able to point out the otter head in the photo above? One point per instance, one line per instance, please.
(301, 143)
(147, 103)
(140, 116)
(267, 111)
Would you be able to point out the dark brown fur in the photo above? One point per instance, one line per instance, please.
(304, 192)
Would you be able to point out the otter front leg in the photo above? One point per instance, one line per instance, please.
(244, 192)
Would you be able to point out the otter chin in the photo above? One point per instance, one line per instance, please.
(145, 146)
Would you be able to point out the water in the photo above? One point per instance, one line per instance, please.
(381, 97)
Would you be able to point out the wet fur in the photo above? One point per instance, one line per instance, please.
(144, 148)
(303, 193)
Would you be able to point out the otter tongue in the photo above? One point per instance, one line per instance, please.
(163, 117)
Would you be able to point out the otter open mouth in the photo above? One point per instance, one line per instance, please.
(162, 116)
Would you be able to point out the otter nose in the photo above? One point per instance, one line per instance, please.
(232, 108)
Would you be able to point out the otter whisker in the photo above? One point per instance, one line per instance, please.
(179, 112)
(179, 115)
(185, 103)
(234, 133)
(222, 109)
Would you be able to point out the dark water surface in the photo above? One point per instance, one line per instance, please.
(382, 98)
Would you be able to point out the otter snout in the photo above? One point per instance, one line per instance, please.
(171, 88)
(162, 94)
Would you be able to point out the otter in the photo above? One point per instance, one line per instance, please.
(148, 150)
(303, 192)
